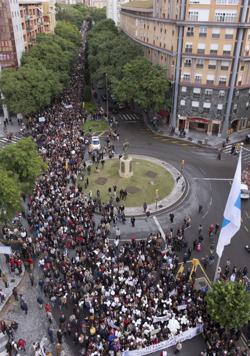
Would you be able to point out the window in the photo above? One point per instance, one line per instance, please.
(219, 108)
(183, 102)
(200, 63)
(221, 93)
(190, 31)
(216, 33)
(222, 80)
(201, 48)
(208, 92)
(210, 79)
(188, 48)
(214, 48)
(227, 50)
(235, 107)
(188, 62)
(184, 89)
(226, 16)
(186, 77)
(225, 65)
(229, 33)
(197, 78)
(206, 107)
(227, 2)
(193, 15)
(203, 31)
(197, 92)
(195, 104)
(212, 64)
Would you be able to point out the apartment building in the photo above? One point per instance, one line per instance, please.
(205, 47)
(11, 36)
(99, 4)
(113, 10)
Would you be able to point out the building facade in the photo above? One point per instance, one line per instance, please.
(113, 10)
(99, 4)
(205, 47)
(11, 35)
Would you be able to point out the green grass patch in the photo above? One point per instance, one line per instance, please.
(146, 179)
(90, 107)
(95, 126)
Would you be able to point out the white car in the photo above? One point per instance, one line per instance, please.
(244, 191)
(95, 143)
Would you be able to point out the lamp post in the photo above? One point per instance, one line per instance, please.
(107, 98)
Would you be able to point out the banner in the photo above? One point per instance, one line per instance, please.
(6, 250)
(186, 335)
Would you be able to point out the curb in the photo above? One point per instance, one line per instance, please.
(14, 285)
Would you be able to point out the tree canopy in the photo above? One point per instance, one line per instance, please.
(23, 161)
(9, 194)
(133, 78)
(228, 303)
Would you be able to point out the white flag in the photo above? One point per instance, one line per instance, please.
(232, 213)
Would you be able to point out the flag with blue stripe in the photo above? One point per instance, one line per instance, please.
(232, 214)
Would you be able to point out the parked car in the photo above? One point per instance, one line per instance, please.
(95, 143)
(244, 191)
(247, 139)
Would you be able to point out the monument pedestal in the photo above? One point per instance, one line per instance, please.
(125, 170)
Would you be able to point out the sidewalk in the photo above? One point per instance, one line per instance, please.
(198, 137)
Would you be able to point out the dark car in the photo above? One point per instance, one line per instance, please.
(247, 139)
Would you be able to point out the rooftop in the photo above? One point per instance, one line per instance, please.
(139, 4)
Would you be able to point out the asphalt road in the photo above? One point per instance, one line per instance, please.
(200, 163)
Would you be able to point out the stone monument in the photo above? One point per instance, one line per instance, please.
(125, 170)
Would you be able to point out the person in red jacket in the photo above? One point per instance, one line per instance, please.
(21, 344)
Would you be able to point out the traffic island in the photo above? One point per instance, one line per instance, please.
(155, 182)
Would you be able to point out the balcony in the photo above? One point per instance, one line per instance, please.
(213, 51)
(200, 51)
(188, 50)
(224, 67)
(215, 35)
(211, 66)
(226, 53)
(190, 34)
(201, 34)
(187, 64)
(222, 83)
(198, 65)
(210, 82)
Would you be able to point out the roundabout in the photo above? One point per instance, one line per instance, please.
(155, 182)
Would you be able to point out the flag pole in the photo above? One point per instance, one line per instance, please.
(217, 268)
(220, 254)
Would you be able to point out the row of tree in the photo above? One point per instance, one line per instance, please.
(132, 77)
(20, 165)
(45, 69)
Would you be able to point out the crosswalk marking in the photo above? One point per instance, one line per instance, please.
(131, 117)
(245, 152)
(5, 141)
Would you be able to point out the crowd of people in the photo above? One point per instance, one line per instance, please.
(107, 298)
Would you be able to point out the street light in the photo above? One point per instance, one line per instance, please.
(107, 99)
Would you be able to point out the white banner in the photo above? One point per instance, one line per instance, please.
(6, 250)
(186, 335)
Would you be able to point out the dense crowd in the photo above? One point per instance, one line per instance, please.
(109, 298)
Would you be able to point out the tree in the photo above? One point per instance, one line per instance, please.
(9, 193)
(68, 31)
(23, 161)
(30, 88)
(228, 304)
(142, 83)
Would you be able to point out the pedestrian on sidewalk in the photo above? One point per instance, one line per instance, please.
(178, 347)
(15, 293)
(147, 215)
(217, 226)
(32, 279)
(200, 209)
(132, 221)
(24, 307)
(145, 206)
(171, 217)
(200, 228)
(5, 280)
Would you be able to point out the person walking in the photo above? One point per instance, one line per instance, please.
(200, 209)
(15, 293)
(5, 280)
(132, 221)
(200, 228)
(178, 347)
(171, 217)
(217, 226)
(145, 206)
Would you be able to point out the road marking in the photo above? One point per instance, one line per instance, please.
(160, 228)
(219, 179)
(209, 206)
(245, 228)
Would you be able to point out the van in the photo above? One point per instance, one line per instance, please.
(244, 191)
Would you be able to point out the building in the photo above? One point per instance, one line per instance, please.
(37, 16)
(99, 4)
(11, 35)
(205, 47)
(49, 16)
(113, 10)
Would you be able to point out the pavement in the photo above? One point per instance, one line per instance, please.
(199, 138)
